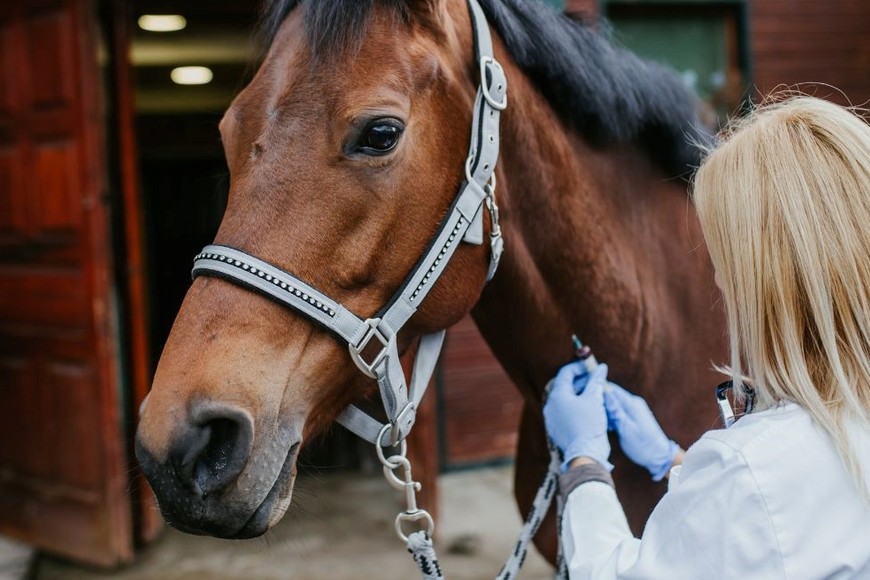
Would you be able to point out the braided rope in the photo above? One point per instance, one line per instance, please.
(541, 504)
(420, 543)
(423, 551)
(421, 548)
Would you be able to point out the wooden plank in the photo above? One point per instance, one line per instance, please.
(47, 296)
(480, 406)
(149, 522)
(801, 41)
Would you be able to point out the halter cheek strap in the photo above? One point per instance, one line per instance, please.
(464, 222)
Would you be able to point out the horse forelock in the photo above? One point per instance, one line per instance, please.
(333, 26)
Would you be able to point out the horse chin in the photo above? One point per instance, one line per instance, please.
(276, 502)
(208, 517)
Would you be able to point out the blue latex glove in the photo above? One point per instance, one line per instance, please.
(574, 413)
(640, 435)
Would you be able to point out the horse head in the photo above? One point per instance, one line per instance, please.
(345, 152)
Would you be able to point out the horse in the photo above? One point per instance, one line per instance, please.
(345, 153)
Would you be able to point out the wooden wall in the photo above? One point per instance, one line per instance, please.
(587, 7)
(479, 407)
(799, 41)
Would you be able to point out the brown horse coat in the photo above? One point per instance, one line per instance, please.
(600, 236)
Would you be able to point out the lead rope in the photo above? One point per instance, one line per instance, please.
(541, 504)
(420, 543)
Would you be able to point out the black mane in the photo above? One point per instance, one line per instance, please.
(601, 90)
(332, 25)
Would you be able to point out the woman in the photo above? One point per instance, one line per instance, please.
(784, 203)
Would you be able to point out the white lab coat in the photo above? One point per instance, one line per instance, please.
(767, 498)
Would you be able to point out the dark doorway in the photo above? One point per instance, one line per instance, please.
(184, 179)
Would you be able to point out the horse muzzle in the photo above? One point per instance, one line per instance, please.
(207, 484)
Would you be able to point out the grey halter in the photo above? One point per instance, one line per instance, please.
(464, 222)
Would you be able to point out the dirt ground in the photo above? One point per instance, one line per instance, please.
(341, 527)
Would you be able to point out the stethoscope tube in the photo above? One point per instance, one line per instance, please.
(726, 412)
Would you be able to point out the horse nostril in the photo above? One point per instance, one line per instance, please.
(214, 449)
(211, 467)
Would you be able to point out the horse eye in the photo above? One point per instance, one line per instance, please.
(380, 138)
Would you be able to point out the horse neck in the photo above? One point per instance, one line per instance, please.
(579, 224)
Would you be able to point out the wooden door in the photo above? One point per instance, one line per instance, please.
(63, 482)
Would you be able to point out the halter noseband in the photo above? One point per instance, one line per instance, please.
(464, 222)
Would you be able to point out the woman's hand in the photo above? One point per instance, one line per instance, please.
(640, 435)
(574, 413)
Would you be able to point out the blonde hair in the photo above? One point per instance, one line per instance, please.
(784, 204)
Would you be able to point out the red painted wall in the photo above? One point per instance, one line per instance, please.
(799, 41)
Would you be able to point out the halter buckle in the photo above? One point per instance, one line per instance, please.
(497, 75)
(373, 331)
